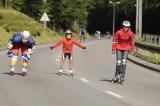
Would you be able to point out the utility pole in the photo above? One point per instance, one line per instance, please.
(140, 17)
(139, 7)
(137, 19)
(114, 9)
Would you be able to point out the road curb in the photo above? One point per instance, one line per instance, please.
(144, 64)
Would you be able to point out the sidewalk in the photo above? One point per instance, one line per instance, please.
(144, 64)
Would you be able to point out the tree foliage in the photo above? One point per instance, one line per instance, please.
(95, 14)
(65, 12)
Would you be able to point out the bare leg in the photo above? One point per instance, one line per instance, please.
(70, 64)
(62, 63)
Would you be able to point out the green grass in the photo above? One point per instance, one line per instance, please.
(151, 58)
(12, 22)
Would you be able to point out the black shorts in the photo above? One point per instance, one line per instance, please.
(64, 56)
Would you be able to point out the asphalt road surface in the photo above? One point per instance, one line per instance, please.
(90, 86)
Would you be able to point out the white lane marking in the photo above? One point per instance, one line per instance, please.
(57, 59)
(58, 56)
(84, 80)
(114, 94)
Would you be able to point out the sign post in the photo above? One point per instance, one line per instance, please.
(44, 19)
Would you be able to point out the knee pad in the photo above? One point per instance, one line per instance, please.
(124, 61)
(14, 60)
(119, 62)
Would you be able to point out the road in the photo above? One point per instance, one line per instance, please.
(90, 86)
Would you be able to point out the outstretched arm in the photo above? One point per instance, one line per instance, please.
(57, 44)
(79, 45)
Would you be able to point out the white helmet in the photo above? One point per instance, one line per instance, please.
(126, 23)
(68, 32)
(26, 34)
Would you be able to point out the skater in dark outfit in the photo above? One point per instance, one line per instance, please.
(123, 42)
(83, 35)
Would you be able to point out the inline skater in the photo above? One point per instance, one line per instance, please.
(24, 42)
(83, 34)
(123, 42)
(67, 42)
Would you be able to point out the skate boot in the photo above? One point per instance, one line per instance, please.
(24, 71)
(71, 72)
(115, 80)
(12, 70)
(121, 79)
(60, 72)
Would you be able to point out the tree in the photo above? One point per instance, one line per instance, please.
(17, 4)
(34, 8)
(6, 3)
(65, 12)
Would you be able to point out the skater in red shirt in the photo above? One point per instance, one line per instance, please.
(123, 42)
(67, 42)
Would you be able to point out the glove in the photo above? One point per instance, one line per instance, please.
(9, 45)
(84, 47)
(9, 53)
(30, 51)
(51, 47)
(113, 51)
(26, 57)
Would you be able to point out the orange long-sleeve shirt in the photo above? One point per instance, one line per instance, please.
(67, 44)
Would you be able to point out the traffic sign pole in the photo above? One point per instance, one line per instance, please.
(44, 25)
(44, 19)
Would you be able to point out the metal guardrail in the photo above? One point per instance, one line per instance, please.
(153, 39)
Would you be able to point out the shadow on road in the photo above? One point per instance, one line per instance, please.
(62, 74)
(107, 80)
(7, 73)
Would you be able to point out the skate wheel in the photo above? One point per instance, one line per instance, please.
(59, 73)
(121, 82)
(24, 74)
(113, 81)
(11, 73)
(72, 75)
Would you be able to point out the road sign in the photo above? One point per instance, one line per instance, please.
(44, 17)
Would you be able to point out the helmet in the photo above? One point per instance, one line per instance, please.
(126, 23)
(26, 34)
(68, 32)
